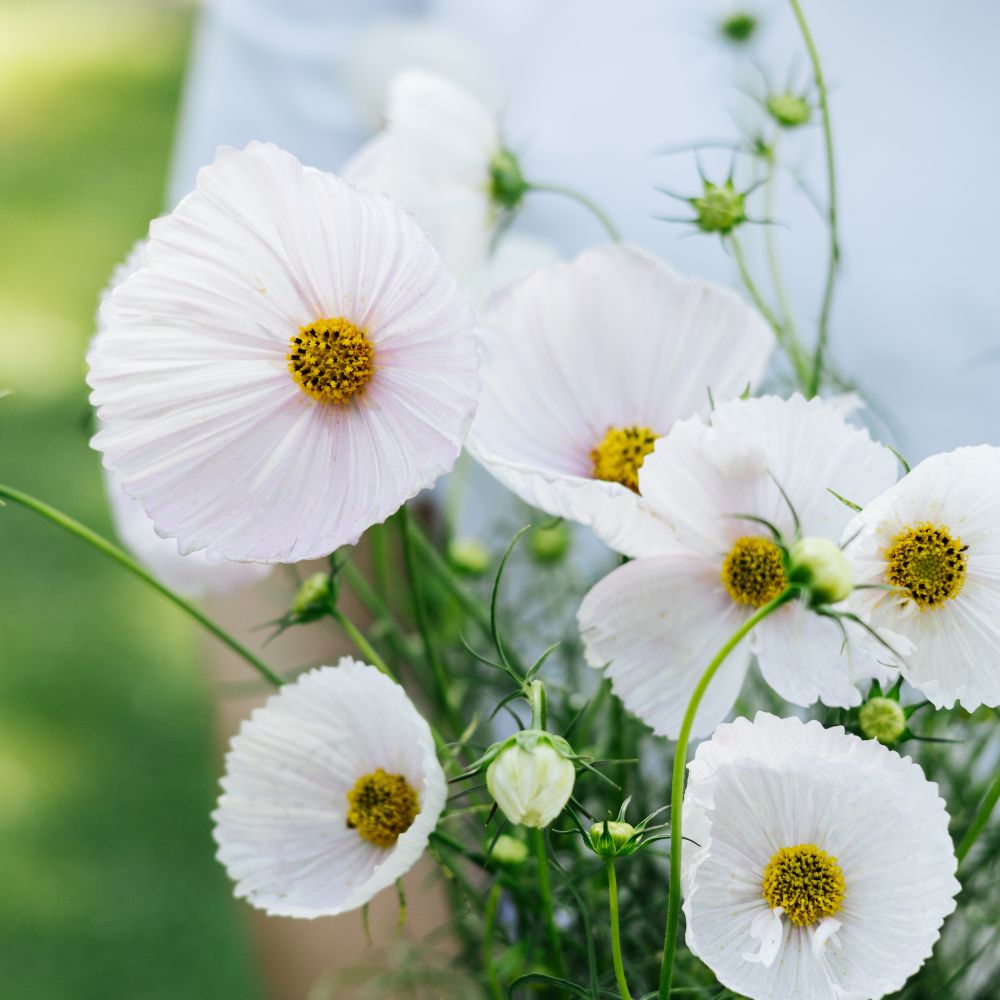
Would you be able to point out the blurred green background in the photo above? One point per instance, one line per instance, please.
(107, 763)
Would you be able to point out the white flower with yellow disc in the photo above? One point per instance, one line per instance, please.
(331, 792)
(929, 548)
(290, 363)
(656, 623)
(819, 866)
(588, 363)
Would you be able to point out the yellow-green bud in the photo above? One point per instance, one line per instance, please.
(789, 109)
(469, 556)
(548, 543)
(611, 838)
(530, 780)
(720, 209)
(820, 564)
(507, 183)
(313, 595)
(882, 719)
(509, 850)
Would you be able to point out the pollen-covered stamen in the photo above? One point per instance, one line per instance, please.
(753, 572)
(805, 882)
(620, 454)
(382, 807)
(331, 359)
(926, 561)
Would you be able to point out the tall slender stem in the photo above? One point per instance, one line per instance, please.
(981, 819)
(360, 640)
(586, 202)
(489, 922)
(100, 543)
(423, 623)
(677, 784)
(548, 909)
(833, 262)
(616, 941)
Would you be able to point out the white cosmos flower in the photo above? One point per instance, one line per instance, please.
(657, 622)
(331, 792)
(776, 798)
(586, 364)
(288, 365)
(935, 535)
(436, 157)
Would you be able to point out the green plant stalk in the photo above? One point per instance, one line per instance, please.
(616, 941)
(423, 624)
(982, 817)
(587, 203)
(489, 924)
(548, 909)
(822, 338)
(771, 247)
(100, 543)
(359, 639)
(677, 784)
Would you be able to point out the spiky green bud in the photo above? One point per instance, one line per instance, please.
(720, 208)
(882, 719)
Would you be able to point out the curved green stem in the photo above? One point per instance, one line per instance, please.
(489, 923)
(100, 543)
(586, 202)
(616, 941)
(360, 640)
(677, 784)
(539, 702)
(548, 909)
(771, 244)
(831, 212)
(981, 819)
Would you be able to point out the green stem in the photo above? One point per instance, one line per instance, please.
(548, 909)
(831, 212)
(616, 943)
(489, 923)
(380, 559)
(677, 784)
(539, 704)
(423, 622)
(771, 244)
(586, 202)
(359, 639)
(100, 543)
(981, 819)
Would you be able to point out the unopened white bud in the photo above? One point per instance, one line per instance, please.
(820, 564)
(530, 780)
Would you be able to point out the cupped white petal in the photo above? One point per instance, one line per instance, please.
(281, 822)
(957, 655)
(757, 787)
(614, 338)
(703, 475)
(200, 417)
(808, 657)
(655, 624)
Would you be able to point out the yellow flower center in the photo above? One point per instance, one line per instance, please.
(620, 454)
(382, 807)
(331, 359)
(754, 572)
(928, 563)
(805, 882)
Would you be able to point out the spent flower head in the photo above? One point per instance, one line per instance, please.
(788, 109)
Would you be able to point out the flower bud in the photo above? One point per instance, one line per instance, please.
(507, 183)
(313, 598)
(509, 850)
(548, 543)
(788, 109)
(739, 26)
(612, 838)
(882, 719)
(720, 209)
(469, 556)
(820, 564)
(532, 777)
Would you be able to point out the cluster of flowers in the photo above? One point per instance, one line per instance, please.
(291, 356)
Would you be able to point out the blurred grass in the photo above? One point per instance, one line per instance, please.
(107, 771)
